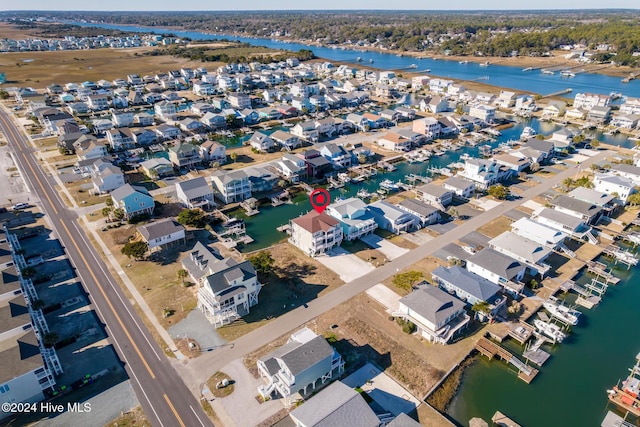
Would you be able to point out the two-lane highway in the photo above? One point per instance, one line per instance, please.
(163, 395)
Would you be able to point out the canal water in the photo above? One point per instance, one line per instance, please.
(498, 75)
(570, 389)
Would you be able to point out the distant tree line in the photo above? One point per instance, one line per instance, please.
(230, 54)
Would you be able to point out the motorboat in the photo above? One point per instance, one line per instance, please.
(567, 73)
(463, 62)
(412, 66)
(527, 69)
(389, 185)
(562, 312)
(527, 132)
(551, 330)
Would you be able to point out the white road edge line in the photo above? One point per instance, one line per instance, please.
(194, 413)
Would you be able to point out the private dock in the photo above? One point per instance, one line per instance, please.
(534, 353)
(490, 349)
(600, 269)
(522, 332)
(621, 256)
(250, 206)
(597, 287)
(306, 187)
(585, 299)
(501, 420)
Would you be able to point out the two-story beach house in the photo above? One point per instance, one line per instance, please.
(162, 234)
(315, 233)
(195, 193)
(231, 186)
(354, 217)
(133, 200)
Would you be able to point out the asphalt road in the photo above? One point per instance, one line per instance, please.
(215, 360)
(163, 395)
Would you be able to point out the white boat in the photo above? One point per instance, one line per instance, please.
(389, 185)
(363, 194)
(358, 59)
(370, 61)
(344, 177)
(567, 73)
(551, 330)
(463, 62)
(562, 312)
(484, 64)
(527, 69)
(412, 66)
(548, 72)
(527, 132)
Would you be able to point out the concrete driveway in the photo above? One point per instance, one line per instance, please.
(241, 405)
(345, 264)
(389, 250)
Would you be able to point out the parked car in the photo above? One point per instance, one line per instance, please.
(19, 206)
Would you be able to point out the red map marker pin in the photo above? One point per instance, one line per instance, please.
(320, 199)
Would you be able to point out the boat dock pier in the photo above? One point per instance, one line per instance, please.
(585, 299)
(490, 349)
(621, 256)
(600, 270)
(534, 354)
(521, 332)
(597, 287)
(631, 237)
(500, 419)
(306, 187)
(562, 92)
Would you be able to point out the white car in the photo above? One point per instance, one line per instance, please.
(19, 206)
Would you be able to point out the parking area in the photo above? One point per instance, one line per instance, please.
(241, 405)
(389, 250)
(383, 390)
(345, 264)
(197, 327)
(13, 187)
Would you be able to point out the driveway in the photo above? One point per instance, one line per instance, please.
(389, 250)
(241, 405)
(345, 264)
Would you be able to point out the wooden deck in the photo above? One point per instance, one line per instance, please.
(490, 349)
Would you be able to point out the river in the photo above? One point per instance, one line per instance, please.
(571, 387)
(499, 75)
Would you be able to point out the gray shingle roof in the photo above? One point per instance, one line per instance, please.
(338, 405)
(159, 229)
(220, 282)
(432, 303)
(403, 420)
(418, 207)
(433, 190)
(195, 187)
(199, 260)
(575, 205)
(497, 263)
(467, 281)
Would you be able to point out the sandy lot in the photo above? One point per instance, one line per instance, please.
(345, 264)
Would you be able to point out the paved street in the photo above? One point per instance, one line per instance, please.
(160, 390)
(192, 371)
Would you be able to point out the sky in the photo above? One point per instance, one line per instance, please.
(161, 5)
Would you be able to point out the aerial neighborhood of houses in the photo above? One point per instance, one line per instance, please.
(228, 142)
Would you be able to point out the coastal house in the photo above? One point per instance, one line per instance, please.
(213, 120)
(166, 132)
(337, 155)
(425, 213)
(98, 102)
(315, 233)
(391, 218)
(227, 289)
(354, 217)
(87, 149)
(120, 139)
(529, 252)
(304, 363)
(625, 121)
(590, 100)
(395, 142)
(157, 167)
(576, 113)
(600, 198)
(570, 224)
(162, 234)
(435, 195)
(467, 286)
(515, 163)
(486, 113)
(626, 171)
(328, 126)
(184, 155)
(428, 126)
(165, 110)
(195, 193)
(121, 118)
(106, 177)
(133, 200)
(539, 233)
(506, 99)
(143, 119)
(213, 152)
(306, 130)
(189, 125)
(359, 122)
(599, 115)
(437, 314)
(101, 125)
(317, 166)
(142, 136)
(261, 142)
(292, 167)
(545, 148)
(498, 268)
(261, 179)
(619, 187)
(589, 212)
(459, 187)
(630, 106)
(231, 186)
(482, 172)
(337, 405)
(286, 140)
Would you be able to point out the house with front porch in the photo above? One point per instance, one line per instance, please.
(142, 136)
(482, 172)
(315, 233)
(617, 186)
(133, 200)
(306, 130)
(120, 139)
(459, 187)
(166, 132)
(195, 193)
(498, 268)
(337, 155)
(317, 166)
(286, 140)
(625, 121)
(261, 142)
(395, 142)
(428, 126)
(106, 177)
(391, 218)
(292, 167)
(539, 233)
(213, 120)
(528, 252)
(90, 149)
(213, 152)
(162, 234)
(589, 212)
(303, 364)
(437, 314)
(575, 226)
(435, 195)
(426, 214)
(184, 155)
(468, 286)
(631, 172)
(157, 167)
(354, 217)
(231, 186)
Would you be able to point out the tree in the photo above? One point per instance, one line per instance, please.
(135, 249)
(192, 218)
(362, 158)
(234, 156)
(230, 119)
(584, 181)
(594, 143)
(634, 199)
(4, 94)
(452, 212)
(498, 191)
(594, 167)
(182, 274)
(50, 339)
(568, 184)
(118, 214)
(263, 262)
(578, 139)
(534, 167)
(407, 280)
(481, 307)
(106, 211)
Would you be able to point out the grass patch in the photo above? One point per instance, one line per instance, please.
(81, 193)
(134, 417)
(496, 227)
(220, 392)
(364, 252)
(206, 407)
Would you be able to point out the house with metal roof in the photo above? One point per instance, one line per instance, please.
(391, 218)
(162, 234)
(337, 405)
(437, 314)
(498, 268)
(195, 193)
(540, 233)
(315, 233)
(302, 365)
